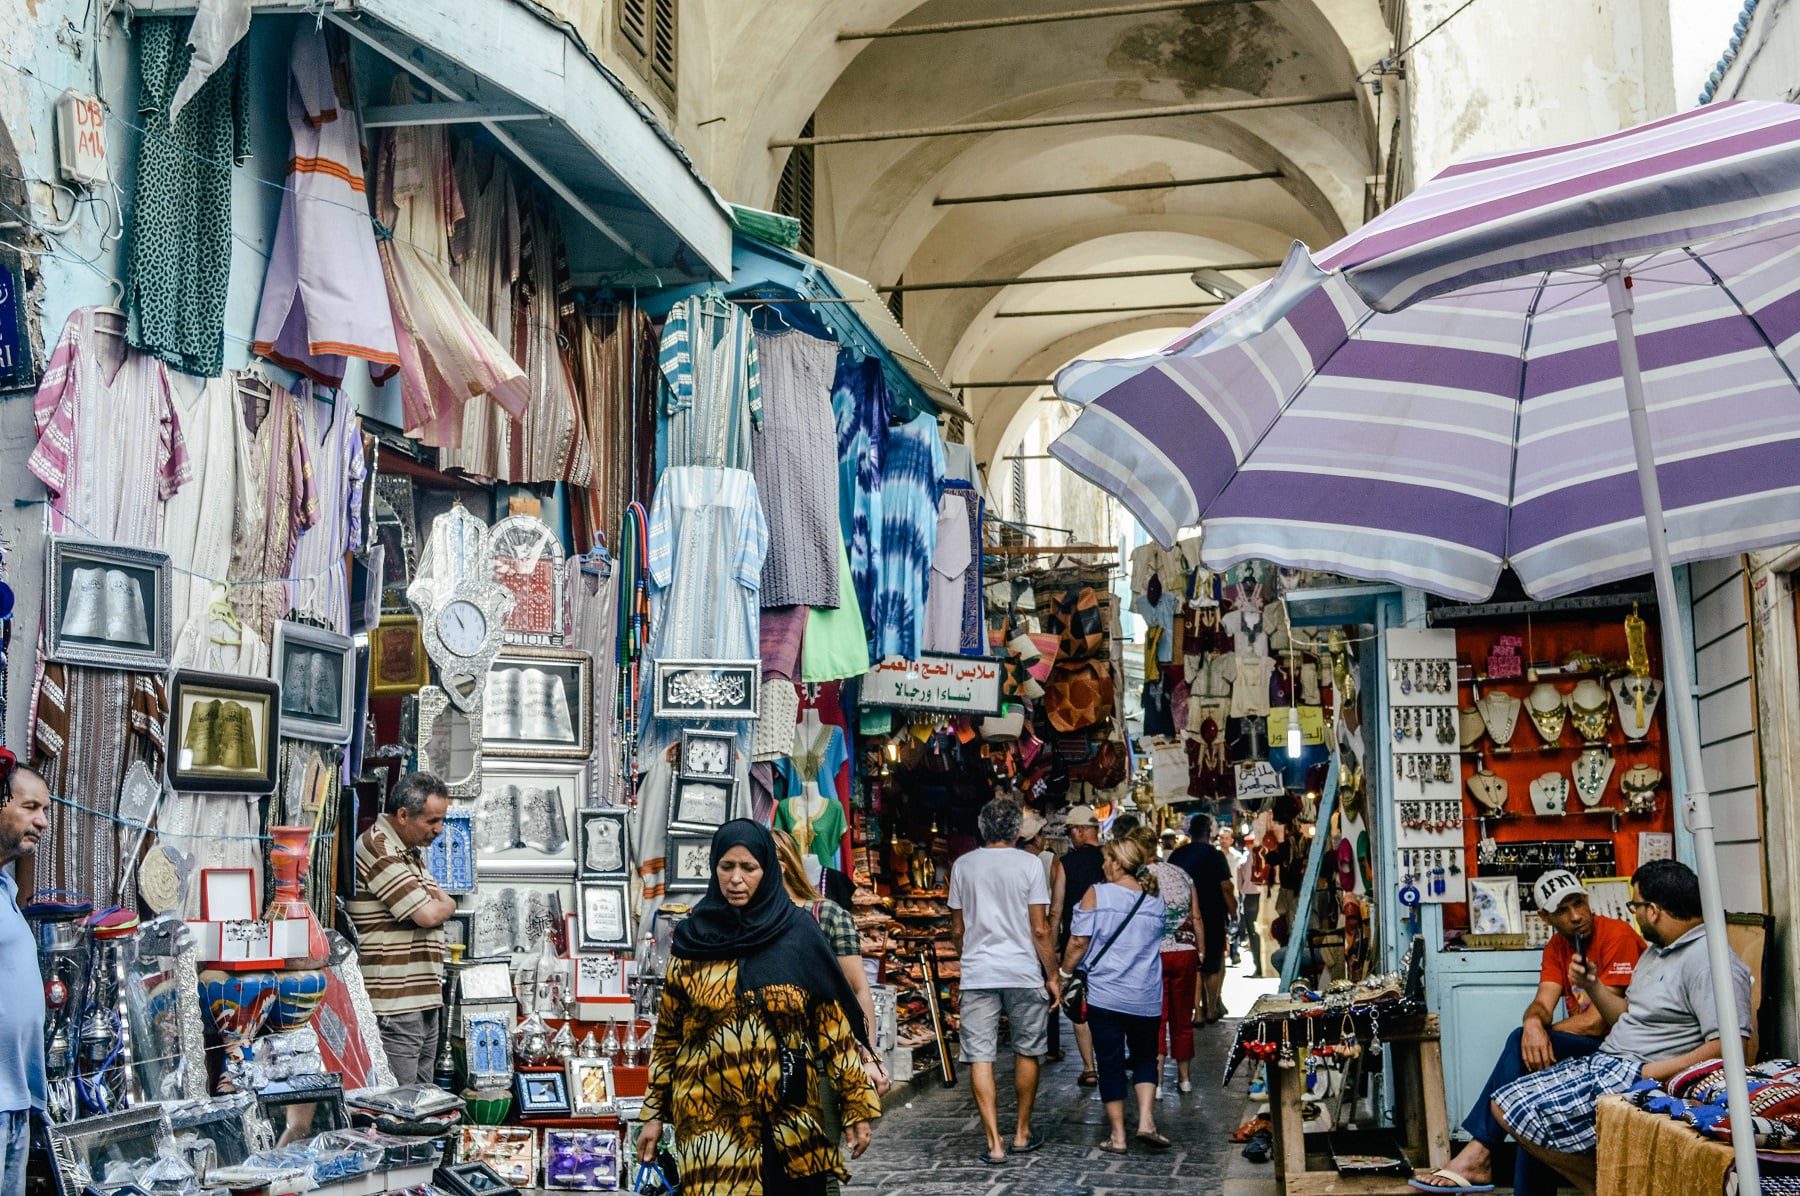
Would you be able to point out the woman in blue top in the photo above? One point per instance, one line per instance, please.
(1124, 985)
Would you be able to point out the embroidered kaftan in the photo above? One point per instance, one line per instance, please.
(202, 516)
(594, 629)
(334, 440)
(323, 300)
(281, 478)
(110, 447)
(911, 478)
(713, 383)
(796, 469)
(707, 543)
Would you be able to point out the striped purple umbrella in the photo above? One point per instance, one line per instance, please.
(1509, 367)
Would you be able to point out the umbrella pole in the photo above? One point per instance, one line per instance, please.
(1678, 673)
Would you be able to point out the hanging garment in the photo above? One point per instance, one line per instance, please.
(594, 629)
(614, 358)
(796, 468)
(948, 591)
(334, 441)
(179, 263)
(859, 401)
(323, 300)
(707, 541)
(974, 605)
(821, 756)
(213, 643)
(713, 381)
(214, 830)
(281, 478)
(110, 448)
(818, 829)
(485, 245)
(550, 444)
(836, 645)
(912, 476)
(449, 360)
(202, 515)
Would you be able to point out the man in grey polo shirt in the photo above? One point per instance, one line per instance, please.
(1666, 1022)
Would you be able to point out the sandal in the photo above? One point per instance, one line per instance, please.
(1109, 1148)
(1457, 1183)
(1089, 1079)
(1259, 1124)
(1153, 1140)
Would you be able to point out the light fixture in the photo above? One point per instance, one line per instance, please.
(1295, 741)
(1215, 283)
(892, 749)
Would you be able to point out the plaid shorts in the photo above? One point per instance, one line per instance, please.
(1556, 1108)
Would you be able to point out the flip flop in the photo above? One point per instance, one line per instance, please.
(991, 1161)
(1031, 1143)
(1154, 1141)
(1109, 1148)
(1458, 1184)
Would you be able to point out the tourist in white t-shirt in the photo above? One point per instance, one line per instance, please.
(1000, 905)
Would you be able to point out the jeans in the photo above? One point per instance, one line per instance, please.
(1124, 1050)
(1530, 1177)
(411, 1040)
(15, 1126)
(1181, 971)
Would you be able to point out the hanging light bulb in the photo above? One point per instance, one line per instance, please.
(1295, 740)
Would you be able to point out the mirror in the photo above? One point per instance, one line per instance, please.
(450, 742)
(162, 1006)
(394, 523)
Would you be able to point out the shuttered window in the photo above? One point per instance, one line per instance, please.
(663, 54)
(794, 194)
(649, 41)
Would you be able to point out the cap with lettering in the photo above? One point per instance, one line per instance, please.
(1080, 816)
(1555, 887)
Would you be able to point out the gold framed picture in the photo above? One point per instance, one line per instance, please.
(397, 663)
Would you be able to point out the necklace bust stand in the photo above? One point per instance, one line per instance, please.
(1636, 699)
(1592, 771)
(1548, 712)
(1550, 795)
(1500, 711)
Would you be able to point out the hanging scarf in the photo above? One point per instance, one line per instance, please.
(773, 940)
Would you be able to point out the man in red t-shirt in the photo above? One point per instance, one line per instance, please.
(1609, 945)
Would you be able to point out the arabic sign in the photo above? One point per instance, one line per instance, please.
(952, 684)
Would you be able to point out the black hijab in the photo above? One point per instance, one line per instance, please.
(773, 940)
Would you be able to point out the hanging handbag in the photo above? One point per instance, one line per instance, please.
(794, 1086)
(1075, 988)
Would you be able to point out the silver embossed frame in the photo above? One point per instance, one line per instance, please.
(702, 690)
(688, 863)
(456, 566)
(321, 709)
(441, 757)
(82, 636)
(510, 728)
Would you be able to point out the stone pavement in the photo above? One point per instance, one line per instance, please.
(931, 1143)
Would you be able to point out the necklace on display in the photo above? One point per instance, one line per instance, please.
(1550, 795)
(1548, 713)
(1489, 791)
(1638, 784)
(1500, 711)
(1592, 770)
(1636, 698)
(1591, 711)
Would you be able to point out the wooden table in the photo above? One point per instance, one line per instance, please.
(1418, 1064)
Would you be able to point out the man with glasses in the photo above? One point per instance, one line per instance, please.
(1665, 1023)
(1542, 1041)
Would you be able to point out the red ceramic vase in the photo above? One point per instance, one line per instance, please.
(288, 859)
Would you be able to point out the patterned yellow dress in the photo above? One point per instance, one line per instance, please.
(715, 1074)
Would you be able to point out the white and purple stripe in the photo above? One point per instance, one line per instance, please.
(1443, 397)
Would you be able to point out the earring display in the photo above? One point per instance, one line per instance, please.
(1424, 727)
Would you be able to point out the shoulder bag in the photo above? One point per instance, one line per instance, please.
(1075, 988)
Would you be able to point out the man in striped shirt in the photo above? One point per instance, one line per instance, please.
(397, 911)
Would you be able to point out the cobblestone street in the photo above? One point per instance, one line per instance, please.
(931, 1145)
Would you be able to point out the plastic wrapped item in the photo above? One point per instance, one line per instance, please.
(408, 1101)
(169, 1175)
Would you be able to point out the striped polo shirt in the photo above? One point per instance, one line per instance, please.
(402, 962)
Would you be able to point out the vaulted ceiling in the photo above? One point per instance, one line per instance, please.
(771, 66)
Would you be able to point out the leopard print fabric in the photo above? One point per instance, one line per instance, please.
(715, 1073)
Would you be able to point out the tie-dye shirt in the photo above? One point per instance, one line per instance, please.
(859, 402)
(912, 479)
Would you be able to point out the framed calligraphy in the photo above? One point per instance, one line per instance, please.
(706, 689)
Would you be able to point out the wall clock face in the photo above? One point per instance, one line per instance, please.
(463, 627)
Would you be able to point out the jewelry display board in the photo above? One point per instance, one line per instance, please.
(1579, 767)
(1426, 785)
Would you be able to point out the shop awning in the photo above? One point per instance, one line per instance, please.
(634, 201)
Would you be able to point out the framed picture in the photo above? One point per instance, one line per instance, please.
(528, 563)
(318, 671)
(582, 1160)
(511, 1150)
(605, 916)
(706, 753)
(227, 894)
(541, 1093)
(395, 530)
(590, 1087)
(604, 847)
(487, 1045)
(457, 928)
(688, 863)
(107, 605)
(525, 815)
(451, 857)
(449, 742)
(538, 705)
(700, 804)
(699, 690)
(473, 1179)
(396, 657)
(222, 733)
(511, 915)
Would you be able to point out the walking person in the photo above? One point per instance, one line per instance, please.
(1000, 915)
(398, 911)
(24, 817)
(1117, 937)
(1249, 906)
(753, 1003)
(1216, 896)
(1070, 879)
(1180, 950)
(1238, 858)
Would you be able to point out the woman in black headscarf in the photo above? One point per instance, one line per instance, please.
(754, 1008)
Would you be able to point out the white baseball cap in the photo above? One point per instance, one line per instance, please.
(1031, 824)
(1555, 887)
(1080, 816)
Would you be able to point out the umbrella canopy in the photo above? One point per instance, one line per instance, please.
(1438, 395)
